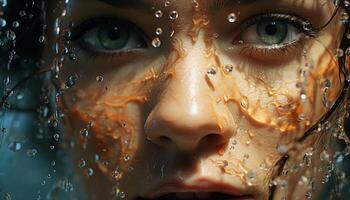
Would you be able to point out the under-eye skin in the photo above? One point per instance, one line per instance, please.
(272, 36)
(107, 36)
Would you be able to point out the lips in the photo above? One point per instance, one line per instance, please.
(200, 189)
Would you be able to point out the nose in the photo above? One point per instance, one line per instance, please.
(186, 113)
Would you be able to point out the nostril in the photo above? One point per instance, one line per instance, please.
(163, 140)
(212, 140)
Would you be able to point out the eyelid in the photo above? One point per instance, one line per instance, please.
(86, 25)
(296, 21)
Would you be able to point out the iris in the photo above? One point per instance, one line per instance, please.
(272, 33)
(113, 37)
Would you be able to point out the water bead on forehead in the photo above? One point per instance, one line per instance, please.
(173, 15)
(232, 17)
(158, 13)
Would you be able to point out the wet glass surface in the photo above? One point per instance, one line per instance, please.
(174, 99)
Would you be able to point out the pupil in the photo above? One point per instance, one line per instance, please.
(271, 29)
(113, 33)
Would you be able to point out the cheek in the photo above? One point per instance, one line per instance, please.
(115, 111)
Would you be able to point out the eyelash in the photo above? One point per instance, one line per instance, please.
(249, 49)
(246, 49)
(82, 28)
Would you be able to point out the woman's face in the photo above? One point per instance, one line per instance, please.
(187, 98)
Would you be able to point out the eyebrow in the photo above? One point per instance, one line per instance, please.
(212, 4)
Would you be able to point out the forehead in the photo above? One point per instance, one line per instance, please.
(215, 4)
(317, 12)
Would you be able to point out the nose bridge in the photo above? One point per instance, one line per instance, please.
(187, 111)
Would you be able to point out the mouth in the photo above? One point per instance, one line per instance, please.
(201, 190)
(198, 196)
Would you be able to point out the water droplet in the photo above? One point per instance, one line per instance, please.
(347, 51)
(82, 163)
(228, 68)
(339, 53)
(156, 42)
(99, 78)
(70, 82)
(15, 146)
(32, 152)
(307, 158)
(7, 196)
(41, 39)
(173, 15)
(211, 71)
(117, 175)
(307, 26)
(303, 96)
(22, 13)
(56, 137)
(90, 172)
(15, 24)
(127, 158)
(172, 33)
(251, 175)
(301, 117)
(232, 17)
(346, 3)
(122, 195)
(159, 31)
(57, 27)
(244, 102)
(20, 96)
(167, 3)
(2, 22)
(344, 18)
(308, 195)
(10, 35)
(158, 14)
(3, 3)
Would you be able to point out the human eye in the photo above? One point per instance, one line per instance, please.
(103, 36)
(273, 37)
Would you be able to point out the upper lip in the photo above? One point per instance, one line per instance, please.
(199, 185)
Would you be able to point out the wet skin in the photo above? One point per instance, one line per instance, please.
(202, 107)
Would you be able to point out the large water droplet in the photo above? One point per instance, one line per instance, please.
(159, 31)
(339, 53)
(70, 82)
(3, 3)
(15, 24)
(158, 14)
(99, 78)
(15, 146)
(173, 15)
(232, 17)
(2, 22)
(156, 42)
(90, 172)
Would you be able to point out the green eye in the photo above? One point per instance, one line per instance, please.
(113, 37)
(272, 33)
(108, 35)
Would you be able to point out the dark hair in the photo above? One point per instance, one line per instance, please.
(340, 103)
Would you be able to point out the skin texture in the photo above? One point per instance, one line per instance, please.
(158, 115)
